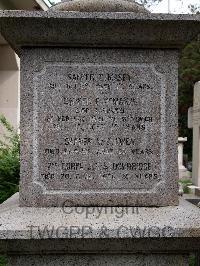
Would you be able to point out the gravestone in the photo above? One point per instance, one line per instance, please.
(183, 172)
(96, 123)
(194, 122)
(98, 127)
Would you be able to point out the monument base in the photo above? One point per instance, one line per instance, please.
(100, 235)
(101, 259)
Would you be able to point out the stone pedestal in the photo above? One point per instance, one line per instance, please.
(99, 236)
(103, 259)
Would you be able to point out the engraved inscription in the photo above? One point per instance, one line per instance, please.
(98, 126)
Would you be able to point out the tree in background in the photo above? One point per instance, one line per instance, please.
(148, 3)
(194, 8)
(189, 74)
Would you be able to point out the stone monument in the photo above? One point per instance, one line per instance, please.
(183, 172)
(96, 124)
(194, 122)
(98, 129)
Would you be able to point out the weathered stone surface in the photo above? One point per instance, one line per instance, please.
(98, 29)
(99, 230)
(98, 127)
(101, 260)
(100, 6)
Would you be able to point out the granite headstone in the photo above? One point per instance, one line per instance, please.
(98, 127)
(98, 106)
(101, 123)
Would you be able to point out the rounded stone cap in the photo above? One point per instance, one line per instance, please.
(100, 6)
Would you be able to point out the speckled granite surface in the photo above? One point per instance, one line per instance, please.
(84, 144)
(163, 229)
(94, 29)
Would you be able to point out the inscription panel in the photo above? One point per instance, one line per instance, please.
(102, 127)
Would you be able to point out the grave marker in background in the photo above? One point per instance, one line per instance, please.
(183, 172)
(194, 122)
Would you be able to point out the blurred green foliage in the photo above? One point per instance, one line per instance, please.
(3, 261)
(185, 183)
(9, 160)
